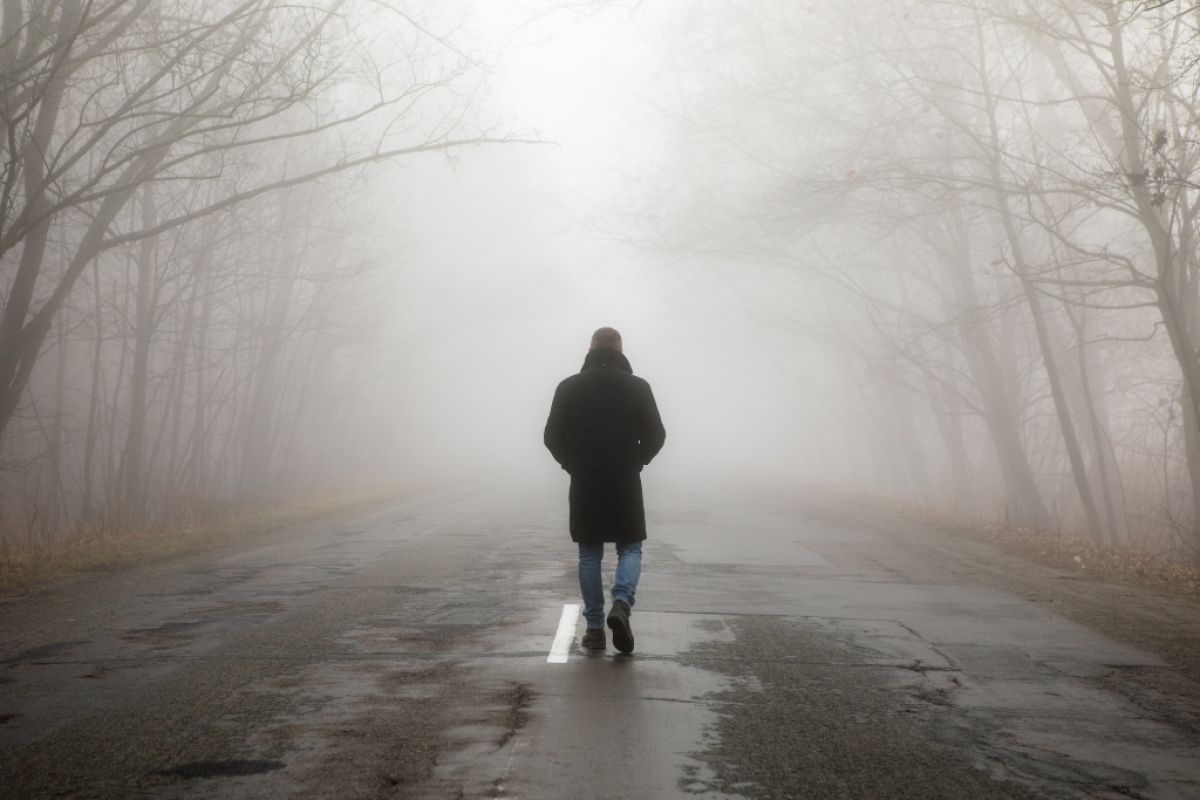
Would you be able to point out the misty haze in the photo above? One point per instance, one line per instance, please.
(599, 399)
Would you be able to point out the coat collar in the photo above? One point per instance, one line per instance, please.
(601, 357)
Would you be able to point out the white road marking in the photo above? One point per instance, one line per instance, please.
(566, 632)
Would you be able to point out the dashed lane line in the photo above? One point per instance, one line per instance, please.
(566, 632)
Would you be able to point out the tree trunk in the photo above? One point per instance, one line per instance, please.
(132, 490)
(59, 509)
(1170, 300)
(260, 418)
(1046, 348)
(1000, 414)
(15, 337)
(949, 421)
(1106, 467)
(89, 447)
(197, 480)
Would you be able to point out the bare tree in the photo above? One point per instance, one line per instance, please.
(101, 100)
(157, 163)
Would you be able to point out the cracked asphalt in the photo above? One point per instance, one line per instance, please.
(787, 647)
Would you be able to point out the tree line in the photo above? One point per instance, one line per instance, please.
(1003, 198)
(177, 297)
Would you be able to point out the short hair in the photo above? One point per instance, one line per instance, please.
(606, 337)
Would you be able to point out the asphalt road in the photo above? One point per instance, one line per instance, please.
(798, 647)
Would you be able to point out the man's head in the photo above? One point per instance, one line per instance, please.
(606, 337)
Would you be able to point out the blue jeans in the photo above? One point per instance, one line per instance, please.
(591, 583)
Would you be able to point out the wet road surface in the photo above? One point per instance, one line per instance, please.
(784, 649)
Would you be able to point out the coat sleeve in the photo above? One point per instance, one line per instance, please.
(557, 435)
(651, 433)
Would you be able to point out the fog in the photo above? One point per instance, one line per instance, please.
(943, 254)
(522, 252)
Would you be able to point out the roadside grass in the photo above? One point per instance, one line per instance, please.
(23, 566)
(1072, 553)
(1087, 557)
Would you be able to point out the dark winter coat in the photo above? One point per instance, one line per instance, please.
(603, 428)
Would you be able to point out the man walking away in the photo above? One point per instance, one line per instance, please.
(603, 428)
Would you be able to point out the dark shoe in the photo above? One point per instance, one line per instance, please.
(618, 620)
(593, 639)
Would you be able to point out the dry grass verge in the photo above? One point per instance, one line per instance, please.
(1071, 553)
(1075, 553)
(24, 566)
(1086, 556)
